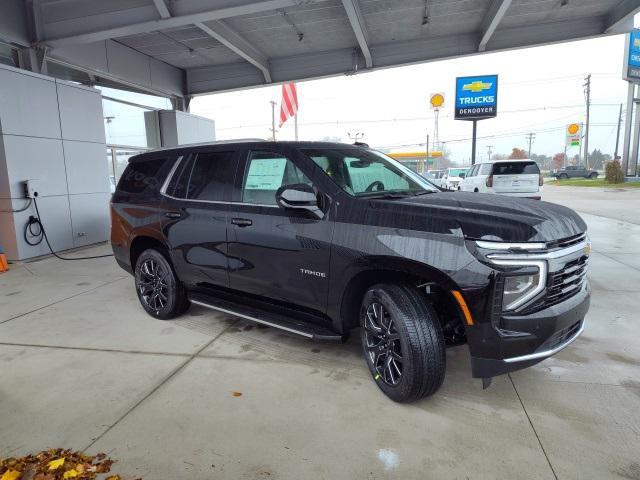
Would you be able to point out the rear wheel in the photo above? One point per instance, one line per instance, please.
(593, 175)
(160, 292)
(563, 176)
(402, 341)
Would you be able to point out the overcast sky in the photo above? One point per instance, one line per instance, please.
(540, 91)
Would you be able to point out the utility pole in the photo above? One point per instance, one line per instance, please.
(489, 151)
(615, 155)
(530, 138)
(427, 158)
(587, 93)
(273, 119)
(355, 136)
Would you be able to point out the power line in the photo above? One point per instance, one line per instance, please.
(413, 119)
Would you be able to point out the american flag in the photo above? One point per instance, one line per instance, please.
(289, 104)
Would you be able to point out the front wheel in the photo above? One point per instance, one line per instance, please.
(402, 342)
(593, 175)
(160, 292)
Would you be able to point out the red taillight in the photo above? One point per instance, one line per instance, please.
(541, 181)
(489, 181)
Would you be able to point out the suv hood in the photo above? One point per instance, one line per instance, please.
(497, 218)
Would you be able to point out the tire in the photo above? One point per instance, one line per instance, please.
(413, 333)
(160, 292)
(563, 176)
(475, 190)
(593, 175)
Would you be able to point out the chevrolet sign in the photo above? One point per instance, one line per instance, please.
(476, 97)
(632, 57)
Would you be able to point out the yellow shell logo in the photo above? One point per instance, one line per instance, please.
(437, 100)
(573, 128)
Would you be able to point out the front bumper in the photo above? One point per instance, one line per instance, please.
(525, 340)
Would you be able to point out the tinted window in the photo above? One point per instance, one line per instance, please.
(211, 176)
(177, 186)
(266, 172)
(144, 177)
(515, 168)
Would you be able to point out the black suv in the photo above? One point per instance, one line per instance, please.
(320, 238)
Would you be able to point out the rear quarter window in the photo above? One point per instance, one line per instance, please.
(516, 168)
(144, 177)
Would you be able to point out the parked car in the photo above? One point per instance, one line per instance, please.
(434, 176)
(319, 239)
(514, 178)
(574, 171)
(452, 177)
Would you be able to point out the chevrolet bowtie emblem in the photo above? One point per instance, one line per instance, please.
(477, 86)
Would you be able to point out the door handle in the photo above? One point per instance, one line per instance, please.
(172, 214)
(242, 222)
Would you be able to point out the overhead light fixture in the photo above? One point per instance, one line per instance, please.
(564, 3)
(426, 18)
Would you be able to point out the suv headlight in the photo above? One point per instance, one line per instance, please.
(520, 288)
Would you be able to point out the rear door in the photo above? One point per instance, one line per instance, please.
(196, 209)
(516, 177)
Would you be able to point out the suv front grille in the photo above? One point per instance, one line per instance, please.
(567, 282)
(567, 242)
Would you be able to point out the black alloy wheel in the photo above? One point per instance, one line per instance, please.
(152, 285)
(382, 343)
(402, 341)
(160, 292)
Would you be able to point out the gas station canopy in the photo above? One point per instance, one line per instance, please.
(181, 48)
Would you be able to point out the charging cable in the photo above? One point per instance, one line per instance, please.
(35, 229)
(20, 210)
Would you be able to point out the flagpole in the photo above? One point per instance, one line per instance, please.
(296, 125)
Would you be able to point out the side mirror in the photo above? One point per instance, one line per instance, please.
(299, 196)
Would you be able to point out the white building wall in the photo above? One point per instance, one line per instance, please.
(52, 131)
(168, 128)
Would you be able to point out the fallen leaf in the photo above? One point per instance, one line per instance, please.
(237, 394)
(70, 473)
(113, 477)
(11, 475)
(55, 464)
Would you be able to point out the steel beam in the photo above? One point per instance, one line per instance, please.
(87, 35)
(162, 8)
(491, 20)
(237, 44)
(341, 61)
(359, 29)
(621, 17)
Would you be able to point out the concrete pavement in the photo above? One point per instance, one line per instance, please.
(210, 396)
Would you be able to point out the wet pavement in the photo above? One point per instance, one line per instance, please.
(211, 396)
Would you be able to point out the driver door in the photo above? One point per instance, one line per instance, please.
(276, 253)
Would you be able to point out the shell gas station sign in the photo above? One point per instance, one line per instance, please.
(574, 134)
(436, 101)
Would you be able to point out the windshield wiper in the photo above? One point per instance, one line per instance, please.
(386, 195)
(426, 192)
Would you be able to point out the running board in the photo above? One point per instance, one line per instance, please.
(272, 319)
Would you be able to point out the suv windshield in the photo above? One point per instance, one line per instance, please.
(515, 168)
(455, 172)
(368, 173)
